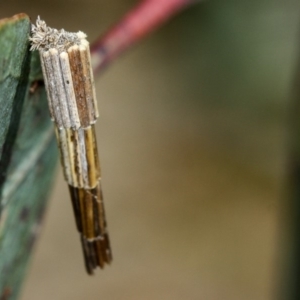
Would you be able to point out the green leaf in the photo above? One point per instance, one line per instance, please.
(28, 152)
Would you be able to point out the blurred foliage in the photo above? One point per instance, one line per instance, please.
(234, 64)
(28, 152)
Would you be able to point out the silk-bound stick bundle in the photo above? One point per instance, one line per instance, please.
(68, 77)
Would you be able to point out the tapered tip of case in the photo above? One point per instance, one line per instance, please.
(90, 220)
(96, 252)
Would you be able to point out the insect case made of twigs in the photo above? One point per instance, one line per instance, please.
(68, 77)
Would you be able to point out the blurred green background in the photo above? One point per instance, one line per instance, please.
(193, 146)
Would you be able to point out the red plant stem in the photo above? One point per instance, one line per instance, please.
(137, 23)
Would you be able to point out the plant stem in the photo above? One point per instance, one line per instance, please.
(137, 23)
(288, 285)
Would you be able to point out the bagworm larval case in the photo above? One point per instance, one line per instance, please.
(68, 76)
